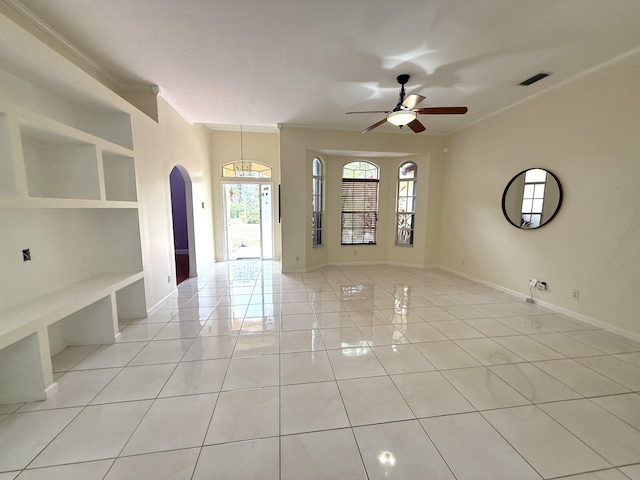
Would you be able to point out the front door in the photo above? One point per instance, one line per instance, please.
(248, 220)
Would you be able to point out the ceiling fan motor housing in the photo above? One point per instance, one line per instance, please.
(403, 79)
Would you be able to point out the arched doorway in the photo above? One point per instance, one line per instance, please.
(182, 219)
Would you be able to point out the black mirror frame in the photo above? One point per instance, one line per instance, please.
(506, 189)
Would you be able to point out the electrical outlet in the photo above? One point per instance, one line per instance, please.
(541, 285)
(26, 255)
(576, 295)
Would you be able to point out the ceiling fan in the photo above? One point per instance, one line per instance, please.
(406, 113)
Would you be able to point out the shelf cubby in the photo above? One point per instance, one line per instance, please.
(58, 166)
(91, 325)
(119, 177)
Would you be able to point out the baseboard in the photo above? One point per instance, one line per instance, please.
(412, 265)
(550, 306)
(202, 270)
(590, 320)
(157, 306)
(132, 316)
(51, 390)
(356, 264)
(544, 304)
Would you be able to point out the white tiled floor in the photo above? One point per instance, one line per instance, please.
(347, 372)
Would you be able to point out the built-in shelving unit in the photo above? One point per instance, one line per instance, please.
(68, 194)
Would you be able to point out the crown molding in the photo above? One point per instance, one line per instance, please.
(73, 51)
(140, 87)
(85, 62)
(561, 84)
(162, 94)
(245, 128)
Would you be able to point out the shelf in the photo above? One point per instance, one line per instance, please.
(61, 163)
(21, 320)
(13, 201)
(85, 313)
(68, 106)
(58, 166)
(119, 177)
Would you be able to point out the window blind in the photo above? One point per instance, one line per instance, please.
(359, 211)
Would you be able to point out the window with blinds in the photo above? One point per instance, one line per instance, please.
(359, 204)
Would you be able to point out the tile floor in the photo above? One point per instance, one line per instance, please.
(343, 373)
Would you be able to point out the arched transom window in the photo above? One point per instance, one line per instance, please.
(246, 169)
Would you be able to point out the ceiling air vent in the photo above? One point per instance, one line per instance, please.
(534, 79)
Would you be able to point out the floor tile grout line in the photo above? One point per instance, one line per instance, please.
(54, 438)
(513, 447)
(424, 429)
(436, 369)
(153, 401)
(213, 411)
(565, 429)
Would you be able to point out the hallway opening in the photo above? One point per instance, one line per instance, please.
(182, 220)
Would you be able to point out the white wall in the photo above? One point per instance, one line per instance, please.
(299, 146)
(256, 146)
(158, 148)
(587, 133)
(42, 80)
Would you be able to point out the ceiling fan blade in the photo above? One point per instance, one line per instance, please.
(371, 111)
(441, 110)
(377, 124)
(416, 126)
(412, 100)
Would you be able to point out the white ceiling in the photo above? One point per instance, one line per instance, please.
(306, 62)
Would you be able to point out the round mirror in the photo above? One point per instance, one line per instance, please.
(532, 198)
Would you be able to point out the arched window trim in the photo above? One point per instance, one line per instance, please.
(246, 169)
(355, 170)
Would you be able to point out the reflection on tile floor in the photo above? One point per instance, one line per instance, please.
(345, 372)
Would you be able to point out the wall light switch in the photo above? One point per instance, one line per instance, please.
(26, 255)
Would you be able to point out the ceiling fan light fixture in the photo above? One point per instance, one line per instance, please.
(401, 117)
